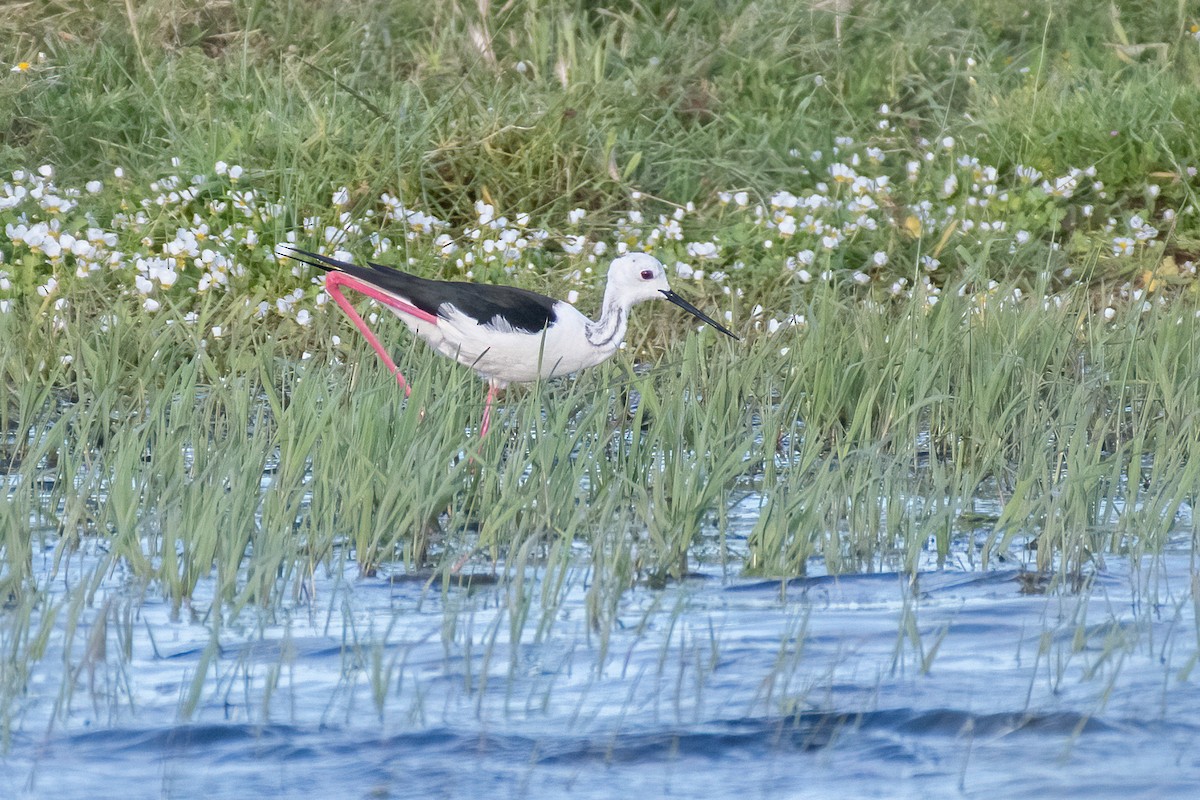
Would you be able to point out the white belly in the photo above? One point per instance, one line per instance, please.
(513, 356)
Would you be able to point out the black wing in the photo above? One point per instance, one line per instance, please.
(519, 309)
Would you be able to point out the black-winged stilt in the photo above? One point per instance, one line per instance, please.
(507, 335)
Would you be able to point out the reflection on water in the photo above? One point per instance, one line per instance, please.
(872, 685)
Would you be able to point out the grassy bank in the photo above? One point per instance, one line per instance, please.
(959, 237)
(896, 145)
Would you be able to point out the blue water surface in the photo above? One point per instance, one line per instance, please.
(952, 683)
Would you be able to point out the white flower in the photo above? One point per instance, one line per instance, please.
(1122, 246)
(1028, 174)
(46, 171)
(51, 247)
(445, 244)
(93, 187)
(485, 211)
(575, 215)
(12, 196)
(303, 317)
(55, 204)
(842, 173)
(1063, 186)
(151, 305)
(785, 200)
(341, 197)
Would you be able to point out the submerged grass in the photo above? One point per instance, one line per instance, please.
(870, 439)
(954, 359)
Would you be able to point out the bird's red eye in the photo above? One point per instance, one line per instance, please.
(647, 274)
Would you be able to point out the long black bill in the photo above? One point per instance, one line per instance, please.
(691, 309)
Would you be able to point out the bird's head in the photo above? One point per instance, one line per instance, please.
(636, 277)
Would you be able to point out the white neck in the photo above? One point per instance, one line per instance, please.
(608, 332)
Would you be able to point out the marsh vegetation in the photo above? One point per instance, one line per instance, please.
(959, 239)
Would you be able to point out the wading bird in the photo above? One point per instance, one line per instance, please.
(507, 335)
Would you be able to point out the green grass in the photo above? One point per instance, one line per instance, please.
(678, 101)
(920, 408)
(982, 375)
(879, 440)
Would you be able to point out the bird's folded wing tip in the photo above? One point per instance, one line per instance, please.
(289, 250)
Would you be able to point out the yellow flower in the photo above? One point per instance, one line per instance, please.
(22, 66)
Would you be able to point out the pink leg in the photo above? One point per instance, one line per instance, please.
(493, 390)
(487, 410)
(333, 283)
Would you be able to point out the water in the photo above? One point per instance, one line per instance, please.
(956, 684)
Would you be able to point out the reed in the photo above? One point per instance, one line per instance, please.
(980, 347)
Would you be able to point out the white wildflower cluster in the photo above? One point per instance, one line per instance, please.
(216, 229)
(496, 239)
(856, 214)
(1137, 232)
(831, 225)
